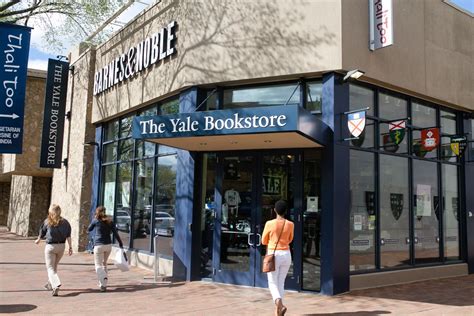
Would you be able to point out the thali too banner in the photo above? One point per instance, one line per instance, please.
(14, 50)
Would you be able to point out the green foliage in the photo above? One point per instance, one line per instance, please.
(62, 22)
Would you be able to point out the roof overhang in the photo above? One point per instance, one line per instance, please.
(269, 127)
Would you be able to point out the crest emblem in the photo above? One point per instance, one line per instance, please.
(396, 204)
(429, 138)
(388, 144)
(458, 145)
(397, 131)
(356, 123)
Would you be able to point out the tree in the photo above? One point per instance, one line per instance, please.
(63, 22)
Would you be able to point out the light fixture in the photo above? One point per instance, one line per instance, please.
(203, 144)
(353, 74)
(234, 142)
(267, 141)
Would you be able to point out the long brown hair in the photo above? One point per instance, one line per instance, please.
(100, 214)
(54, 215)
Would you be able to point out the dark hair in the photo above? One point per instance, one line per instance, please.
(281, 207)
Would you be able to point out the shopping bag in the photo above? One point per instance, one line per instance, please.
(120, 261)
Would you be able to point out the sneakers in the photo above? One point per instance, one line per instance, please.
(48, 287)
(103, 288)
(55, 291)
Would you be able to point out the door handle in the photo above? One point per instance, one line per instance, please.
(248, 239)
(259, 239)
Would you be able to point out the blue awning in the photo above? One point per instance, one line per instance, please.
(267, 127)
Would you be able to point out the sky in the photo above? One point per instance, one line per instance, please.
(38, 59)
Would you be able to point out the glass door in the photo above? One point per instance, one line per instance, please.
(278, 182)
(234, 252)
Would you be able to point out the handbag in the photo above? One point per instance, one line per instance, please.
(120, 261)
(268, 264)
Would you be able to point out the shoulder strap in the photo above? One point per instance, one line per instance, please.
(281, 233)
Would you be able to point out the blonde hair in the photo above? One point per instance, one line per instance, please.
(54, 215)
(101, 215)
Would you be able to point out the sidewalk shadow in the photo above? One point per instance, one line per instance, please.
(16, 308)
(359, 313)
(118, 289)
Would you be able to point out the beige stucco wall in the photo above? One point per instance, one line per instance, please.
(28, 205)
(220, 41)
(27, 163)
(432, 55)
(71, 187)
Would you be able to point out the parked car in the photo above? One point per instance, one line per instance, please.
(164, 224)
(123, 223)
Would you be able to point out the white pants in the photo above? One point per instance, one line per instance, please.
(276, 279)
(101, 255)
(52, 255)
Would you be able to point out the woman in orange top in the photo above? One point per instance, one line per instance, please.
(277, 235)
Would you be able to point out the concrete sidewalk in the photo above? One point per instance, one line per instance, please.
(23, 274)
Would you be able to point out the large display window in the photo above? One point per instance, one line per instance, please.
(138, 184)
(408, 177)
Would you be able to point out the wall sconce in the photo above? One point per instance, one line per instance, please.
(91, 144)
(353, 74)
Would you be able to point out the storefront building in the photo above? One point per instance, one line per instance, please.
(199, 116)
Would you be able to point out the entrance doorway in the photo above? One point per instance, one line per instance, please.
(240, 192)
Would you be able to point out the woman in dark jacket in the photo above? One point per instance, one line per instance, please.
(103, 227)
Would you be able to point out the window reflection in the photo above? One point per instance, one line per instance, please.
(108, 189)
(165, 197)
(314, 97)
(262, 96)
(426, 206)
(312, 212)
(362, 242)
(448, 129)
(394, 212)
(450, 211)
(143, 203)
(123, 210)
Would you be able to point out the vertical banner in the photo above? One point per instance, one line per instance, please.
(14, 50)
(380, 24)
(54, 113)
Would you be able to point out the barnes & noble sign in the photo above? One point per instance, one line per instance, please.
(146, 53)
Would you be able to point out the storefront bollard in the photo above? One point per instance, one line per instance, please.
(156, 264)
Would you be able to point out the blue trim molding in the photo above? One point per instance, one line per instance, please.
(182, 243)
(335, 191)
(95, 177)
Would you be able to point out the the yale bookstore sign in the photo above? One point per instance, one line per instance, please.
(146, 53)
(223, 122)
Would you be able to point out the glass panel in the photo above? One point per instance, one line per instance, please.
(422, 117)
(107, 198)
(426, 211)
(211, 103)
(448, 128)
(207, 213)
(163, 149)
(110, 152)
(143, 204)
(471, 150)
(314, 97)
(261, 96)
(170, 107)
(362, 240)
(450, 211)
(392, 109)
(277, 184)
(394, 212)
(311, 275)
(111, 131)
(122, 212)
(236, 213)
(126, 149)
(145, 149)
(165, 197)
(126, 127)
(360, 97)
